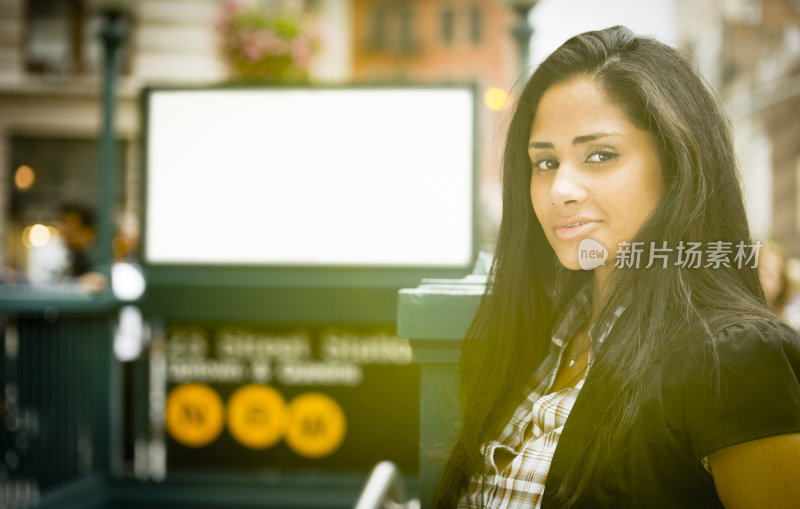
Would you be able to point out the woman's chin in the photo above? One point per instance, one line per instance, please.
(570, 263)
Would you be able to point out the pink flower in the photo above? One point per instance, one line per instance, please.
(301, 52)
(271, 43)
(253, 47)
(229, 11)
(250, 46)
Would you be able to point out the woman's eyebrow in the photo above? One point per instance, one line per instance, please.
(576, 141)
(590, 137)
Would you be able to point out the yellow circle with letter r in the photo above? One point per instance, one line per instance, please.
(317, 425)
(194, 414)
(257, 416)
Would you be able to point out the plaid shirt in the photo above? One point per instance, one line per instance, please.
(532, 433)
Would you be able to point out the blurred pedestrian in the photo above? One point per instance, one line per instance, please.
(779, 288)
(79, 230)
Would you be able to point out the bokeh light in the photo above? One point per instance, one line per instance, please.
(127, 281)
(495, 98)
(37, 235)
(24, 177)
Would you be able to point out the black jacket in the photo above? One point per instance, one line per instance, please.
(684, 418)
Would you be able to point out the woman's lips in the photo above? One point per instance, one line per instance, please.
(577, 229)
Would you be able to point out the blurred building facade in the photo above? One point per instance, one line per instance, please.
(760, 74)
(50, 68)
(51, 65)
(446, 41)
(50, 86)
(749, 52)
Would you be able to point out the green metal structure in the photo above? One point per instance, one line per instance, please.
(60, 385)
(62, 413)
(62, 401)
(435, 316)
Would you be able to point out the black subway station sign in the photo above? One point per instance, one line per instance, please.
(273, 279)
(329, 397)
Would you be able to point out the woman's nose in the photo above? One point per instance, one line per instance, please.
(567, 186)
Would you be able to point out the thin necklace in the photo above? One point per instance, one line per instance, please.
(574, 358)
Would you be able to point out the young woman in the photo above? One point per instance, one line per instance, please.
(659, 378)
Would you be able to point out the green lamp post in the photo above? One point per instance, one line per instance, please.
(522, 30)
(113, 33)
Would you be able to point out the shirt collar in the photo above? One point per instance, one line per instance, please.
(578, 312)
(575, 315)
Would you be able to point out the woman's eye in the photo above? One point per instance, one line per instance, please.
(601, 156)
(545, 164)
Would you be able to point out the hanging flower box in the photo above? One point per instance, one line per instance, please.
(259, 45)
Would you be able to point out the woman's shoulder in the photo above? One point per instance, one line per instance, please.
(743, 340)
(758, 341)
(765, 328)
(743, 358)
(737, 384)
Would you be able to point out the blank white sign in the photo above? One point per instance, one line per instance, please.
(355, 177)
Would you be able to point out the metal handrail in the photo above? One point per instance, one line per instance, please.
(384, 489)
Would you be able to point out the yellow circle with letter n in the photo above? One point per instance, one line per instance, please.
(194, 414)
(317, 425)
(257, 416)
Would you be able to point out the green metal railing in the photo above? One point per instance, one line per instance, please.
(58, 379)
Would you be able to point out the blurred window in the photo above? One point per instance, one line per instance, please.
(407, 28)
(61, 37)
(447, 19)
(475, 23)
(52, 43)
(55, 36)
(64, 170)
(378, 27)
(392, 28)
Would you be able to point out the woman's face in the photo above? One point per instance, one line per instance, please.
(595, 174)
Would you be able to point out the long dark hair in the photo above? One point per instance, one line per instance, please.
(528, 288)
